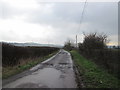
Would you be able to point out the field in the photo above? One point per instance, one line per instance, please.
(16, 59)
(92, 76)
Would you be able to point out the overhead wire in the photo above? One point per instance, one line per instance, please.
(81, 18)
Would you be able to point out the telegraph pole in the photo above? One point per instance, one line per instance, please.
(76, 41)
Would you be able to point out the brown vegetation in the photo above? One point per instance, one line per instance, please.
(11, 55)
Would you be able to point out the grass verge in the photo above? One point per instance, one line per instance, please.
(25, 64)
(92, 75)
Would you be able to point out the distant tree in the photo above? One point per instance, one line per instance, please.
(68, 45)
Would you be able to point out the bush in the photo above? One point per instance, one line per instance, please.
(94, 48)
(94, 41)
(12, 54)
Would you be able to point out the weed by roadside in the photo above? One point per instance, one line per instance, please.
(93, 76)
(24, 65)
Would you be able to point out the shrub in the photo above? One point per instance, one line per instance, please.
(12, 54)
(94, 41)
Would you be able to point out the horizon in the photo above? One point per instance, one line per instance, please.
(46, 43)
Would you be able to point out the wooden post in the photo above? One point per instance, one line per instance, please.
(76, 41)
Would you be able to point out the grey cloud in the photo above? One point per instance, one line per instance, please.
(7, 11)
(65, 17)
(101, 16)
(67, 12)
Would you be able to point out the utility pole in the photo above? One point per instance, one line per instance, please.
(76, 41)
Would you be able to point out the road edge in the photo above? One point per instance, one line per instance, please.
(24, 73)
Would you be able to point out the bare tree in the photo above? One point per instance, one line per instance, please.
(95, 41)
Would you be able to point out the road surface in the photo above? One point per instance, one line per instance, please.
(56, 72)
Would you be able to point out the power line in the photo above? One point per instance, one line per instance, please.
(83, 11)
(81, 18)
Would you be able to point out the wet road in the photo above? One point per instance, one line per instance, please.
(56, 72)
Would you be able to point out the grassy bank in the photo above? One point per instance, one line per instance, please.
(24, 65)
(93, 76)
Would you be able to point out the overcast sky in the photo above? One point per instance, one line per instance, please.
(56, 22)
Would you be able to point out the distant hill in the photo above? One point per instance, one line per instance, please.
(34, 44)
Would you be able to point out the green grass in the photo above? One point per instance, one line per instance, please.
(92, 75)
(27, 64)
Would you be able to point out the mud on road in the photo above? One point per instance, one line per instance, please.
(56, 72)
